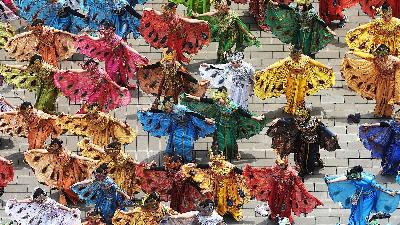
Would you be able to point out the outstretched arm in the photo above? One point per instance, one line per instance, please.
(363, 55)
(338, 179)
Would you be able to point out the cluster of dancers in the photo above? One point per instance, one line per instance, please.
(110, 181)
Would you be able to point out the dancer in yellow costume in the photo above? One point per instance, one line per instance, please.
(151, 212)
(121, 165)
(100, 126)
(225, 181)
(375, 76)
(296, 76)
(385, 30)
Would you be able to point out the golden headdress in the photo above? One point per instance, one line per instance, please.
(281, 160)
(168, 55)
(304, 113)
(303, 2)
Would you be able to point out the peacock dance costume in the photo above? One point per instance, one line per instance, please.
(359, 192)
(236, 76)
(181, 125)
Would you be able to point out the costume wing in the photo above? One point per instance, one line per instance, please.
(375, 139)
(283, 22)
(202, 177)
(341, 192)
(49, 212)
(203, 128)
(96, 48)
(150, 78)
(89, 87)
(319, 77)
(271, 82)
(328, 140)
(283, 135)
(189, 35)
(321, 36)
(54, 170)
(13, 124)
(63, 44)
(20, 78)
(6, 32)
(360, 76)
(249, 127)
(22, 46)
(216, 74)
(386, 203)
(259, 181)
(155, 180)
(302, 200)
(6, 171)
(210, 110)
(156, 123)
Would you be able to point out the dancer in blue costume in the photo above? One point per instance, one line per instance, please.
(358, 191)
(102, 192)
(120, 13)
(182, 125)
(383, 140)
(58, 15)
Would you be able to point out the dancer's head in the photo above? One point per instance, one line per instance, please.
(282, 162)
(169, 8)
(101, 172)
(387, 12)
(39, 195)
(90, 64)
(168, 104)
(114, 148)
(221, 95)
(302, 115)
(94, 107)
(173, 162)
(295, 52)
(206, 207)
(55, 145)
(304, 4)
(152, 201)
(381, 51)
(26, 106)
(235, 59)
(36, 61)
(355, 173)
(37, 25)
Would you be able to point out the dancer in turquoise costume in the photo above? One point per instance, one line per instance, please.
(120, 13)
(298, 24)
(182, 125)
(102, 192)
(359, 192)
(54, 14)
(383, 140)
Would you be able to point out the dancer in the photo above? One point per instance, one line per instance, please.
(366, 38)
(281, 188)
(381, 139)
(374, 76)
(167, 29)
(53, 45)
(28, 122)
(233, 122)
(58, 168)
(100, 126)
(6, 173)
(151, 212)
(40, 209)
(121, 60)
(169, 78)
(302, 135)
(172, 184)
(92, 85)
(236, 76)
(182, 126)
(122, 166)
(226, 183)
(358, 191)
(299, 25)
(38, 77)
(228, 30)
(103, 193)
(295, 76)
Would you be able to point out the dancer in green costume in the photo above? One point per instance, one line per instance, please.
(233, 122)
(37, 77)
(298, 24)
(228, 30)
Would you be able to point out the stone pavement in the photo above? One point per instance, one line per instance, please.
(333, 105)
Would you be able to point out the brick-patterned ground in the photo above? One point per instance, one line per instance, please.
(333, 105)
